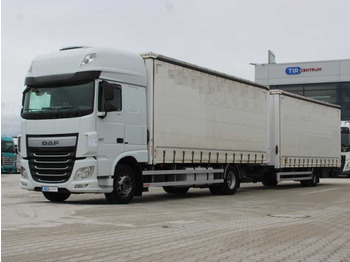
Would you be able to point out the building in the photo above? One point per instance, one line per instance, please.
(328, 81)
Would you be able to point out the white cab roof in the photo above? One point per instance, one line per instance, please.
(114, 64)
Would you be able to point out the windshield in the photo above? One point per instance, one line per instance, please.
(345, 139)
(58, 101)
(7, 146)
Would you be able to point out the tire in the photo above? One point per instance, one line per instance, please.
(230, 185)
(313, 181)
(176, 190)
(124, 186)
(109, 197)
(56, 197)
(270, 180)
(215, 189)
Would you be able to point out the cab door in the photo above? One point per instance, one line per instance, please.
(110, 125)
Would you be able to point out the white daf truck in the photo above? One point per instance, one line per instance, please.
(98, 120)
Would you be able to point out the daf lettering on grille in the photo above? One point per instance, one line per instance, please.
(64, 141)
(50, 143)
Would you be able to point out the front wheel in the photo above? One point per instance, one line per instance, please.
(56, 197)
(123, 186)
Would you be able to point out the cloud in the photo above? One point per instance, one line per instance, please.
(10, 125)
(222, 35)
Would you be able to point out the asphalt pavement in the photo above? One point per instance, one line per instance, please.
(284, 223)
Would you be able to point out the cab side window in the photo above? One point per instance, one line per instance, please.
(114, 102)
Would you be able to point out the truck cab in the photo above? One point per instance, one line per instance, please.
(8, 155)
(83, 111)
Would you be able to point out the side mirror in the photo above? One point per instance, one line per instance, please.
(109, 107)
(108, 92)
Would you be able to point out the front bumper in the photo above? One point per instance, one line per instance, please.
(88, 185)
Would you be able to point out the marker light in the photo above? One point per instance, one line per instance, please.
(88, 58)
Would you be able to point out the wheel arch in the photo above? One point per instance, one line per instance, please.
(131, 162)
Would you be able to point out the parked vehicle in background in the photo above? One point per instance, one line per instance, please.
(8, 155)
(18, 156)
(99, 120)
(345, 149)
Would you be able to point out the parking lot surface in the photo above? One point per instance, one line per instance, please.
(285, 223)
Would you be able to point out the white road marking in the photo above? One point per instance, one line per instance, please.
(318, 191)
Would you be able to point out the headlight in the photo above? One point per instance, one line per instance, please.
(84, 172)
(24, 173)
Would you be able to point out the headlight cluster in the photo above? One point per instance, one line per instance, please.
(84, 173)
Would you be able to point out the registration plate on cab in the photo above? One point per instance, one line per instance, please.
(49, 189)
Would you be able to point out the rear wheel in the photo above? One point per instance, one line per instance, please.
(230, 185)
(313, 181)
(176, 190)
(123, 186)
(56, 197)
(269, 180)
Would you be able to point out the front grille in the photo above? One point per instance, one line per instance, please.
(8, 160)
(51, 164)
(342, 163)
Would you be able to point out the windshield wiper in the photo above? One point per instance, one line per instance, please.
(38, 113)
(53, 109)
(73, 107)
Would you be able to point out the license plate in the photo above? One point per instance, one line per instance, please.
(49, 189)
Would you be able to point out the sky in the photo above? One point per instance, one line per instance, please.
(223, 35)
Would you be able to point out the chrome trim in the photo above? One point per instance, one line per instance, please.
(38, 174)
(51, 156)
(51, 168)
(48, 181)
(51, 162)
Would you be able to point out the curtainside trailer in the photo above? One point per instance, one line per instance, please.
(98, 120)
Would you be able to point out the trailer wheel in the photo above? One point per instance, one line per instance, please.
(313, 181)
(124, 186)
(56, 197)
(215, 189)
(230, 185)
(176, 190)
(269, 180)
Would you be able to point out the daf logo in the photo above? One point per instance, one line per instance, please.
(50, 143)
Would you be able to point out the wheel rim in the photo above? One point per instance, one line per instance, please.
(231, 179)
(124, 186)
